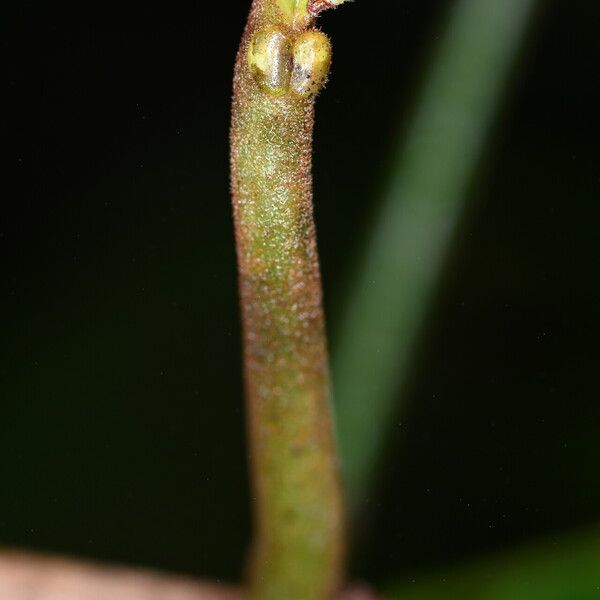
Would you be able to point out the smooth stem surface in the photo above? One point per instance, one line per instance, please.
(421, 208)
(297, 552)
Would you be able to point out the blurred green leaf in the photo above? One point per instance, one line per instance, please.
(565, 568)
(421, 206)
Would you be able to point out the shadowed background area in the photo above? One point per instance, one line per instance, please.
(121, 413)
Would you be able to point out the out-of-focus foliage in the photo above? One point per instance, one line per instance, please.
(563, 568)
(423, 202)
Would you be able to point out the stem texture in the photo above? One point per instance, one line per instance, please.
(297, 553)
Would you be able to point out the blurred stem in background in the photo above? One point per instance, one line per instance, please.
(421, 207)
(566, 568)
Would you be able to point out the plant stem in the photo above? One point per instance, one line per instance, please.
(298, 543)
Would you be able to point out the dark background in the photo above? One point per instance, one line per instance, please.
(121, 414)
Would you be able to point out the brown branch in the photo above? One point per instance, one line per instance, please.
(28, 577)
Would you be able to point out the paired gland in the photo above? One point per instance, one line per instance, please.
(281, 64)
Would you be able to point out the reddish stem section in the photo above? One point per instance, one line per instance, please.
(316, 7)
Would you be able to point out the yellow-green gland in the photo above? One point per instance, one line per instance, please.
(280, 65)
(270, 60)
(312, 59)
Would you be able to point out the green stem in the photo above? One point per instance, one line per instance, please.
(298, 545)
(421, 208)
